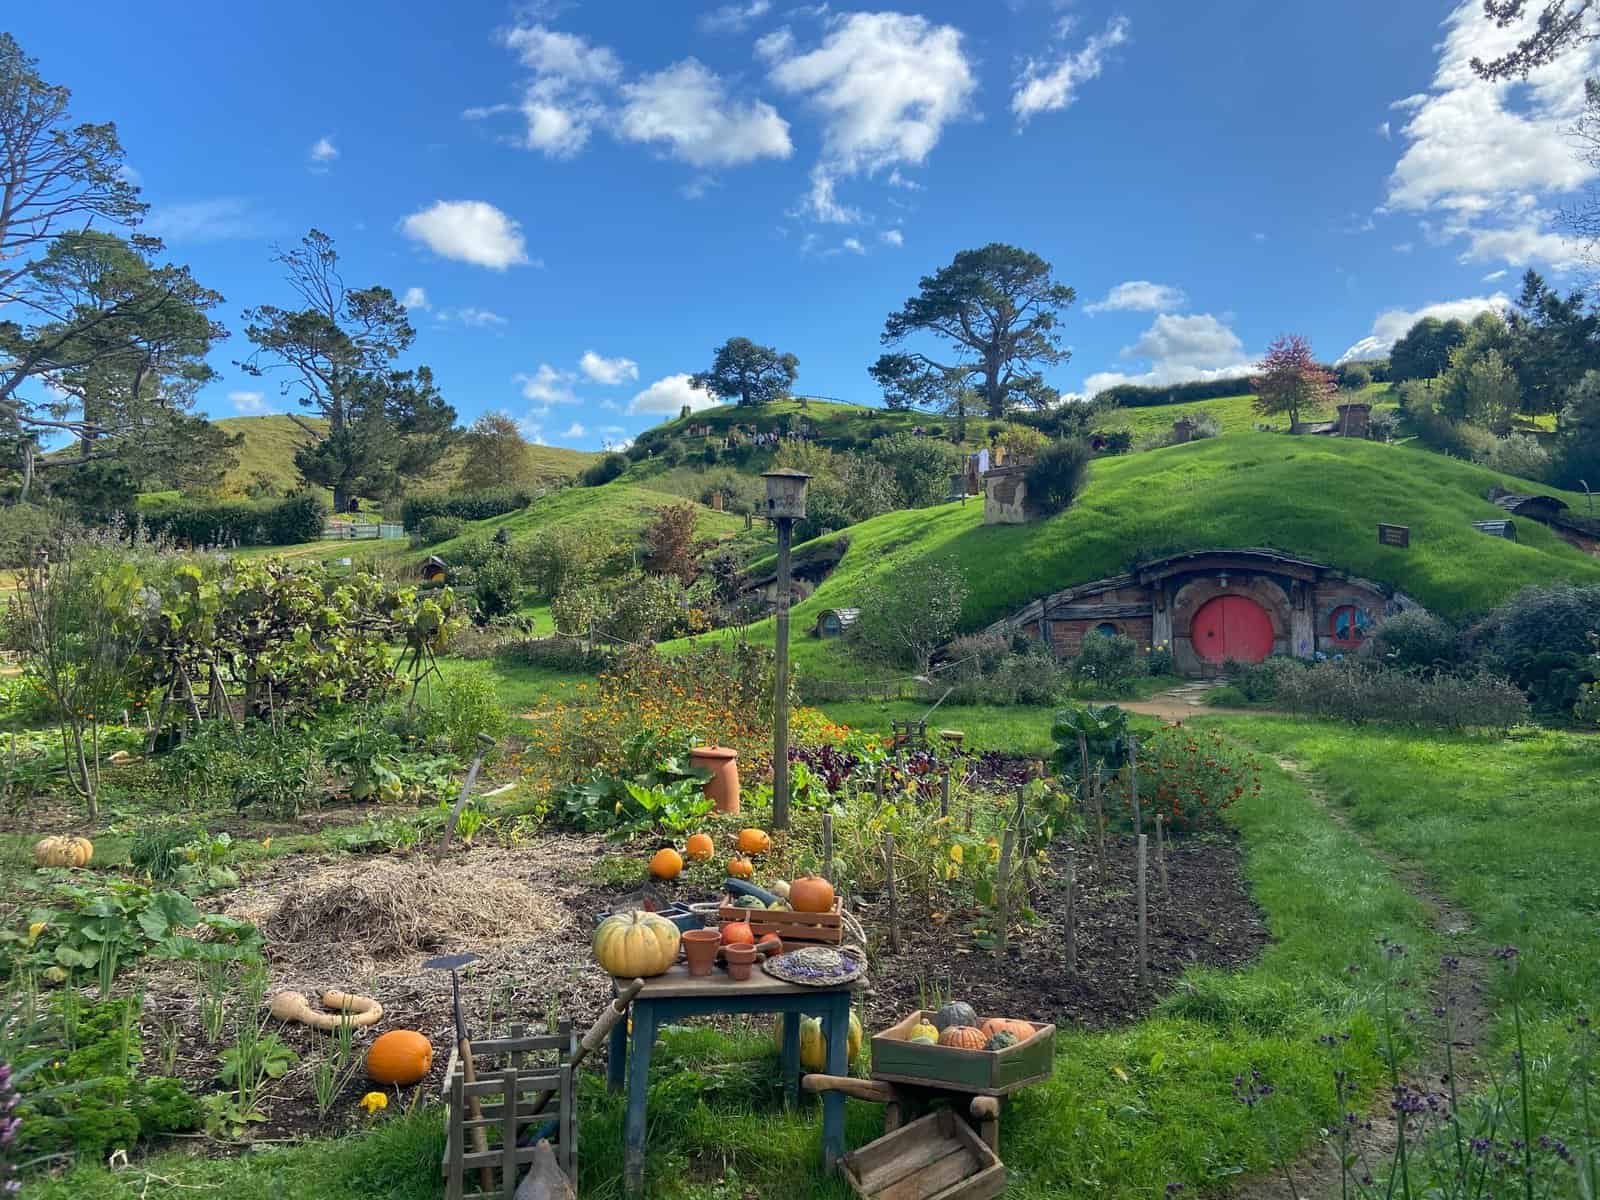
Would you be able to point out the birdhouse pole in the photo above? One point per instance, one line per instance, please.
(786, 504)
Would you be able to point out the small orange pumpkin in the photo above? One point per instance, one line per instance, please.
(738, 933)
(811, 894)
(399, 1058)
(666, 863)
(700, 847)
(1021, 1030)
(754, 841)
(771, 943)
(963, 1037)
(741, 868)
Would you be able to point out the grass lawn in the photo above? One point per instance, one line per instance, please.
(1236, 414)
(1127, 1111)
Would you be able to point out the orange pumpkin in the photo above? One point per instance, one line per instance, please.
(811, 894)
(963, 1037)
(666, 863)
(754, 841)
(738, 933)
(771, 943)
(741, 868)
(1021, 1030)
(400, 1058)
(700, 847)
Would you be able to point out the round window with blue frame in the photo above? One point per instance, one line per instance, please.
(1350, 625)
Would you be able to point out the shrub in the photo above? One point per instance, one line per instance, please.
(498, 585)
(300, 518)
(974, 656)
(1189, 777)
(1518, 454)
(464, 506)
(670, 543)
(1354, 376)
(1057, 476)
(604, 471)
(921, 467)
(434, 530)
(1357, 692)
(1029, 676)
(1262, 681)
(1161, 662)
(23, 527)
(464, 706)
(907, 614)
(1540, 638)
(1414, 640)
(1383, 424)
(1108, 663)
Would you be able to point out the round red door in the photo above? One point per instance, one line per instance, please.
(1233, 627)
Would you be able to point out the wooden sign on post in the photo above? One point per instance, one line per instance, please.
(1394, 535)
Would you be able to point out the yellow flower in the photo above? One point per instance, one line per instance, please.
(36, 929)
(373, 1101)
(266, 842)
(957, 854)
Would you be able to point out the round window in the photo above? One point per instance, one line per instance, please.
(1107, 628)
(1349, 625)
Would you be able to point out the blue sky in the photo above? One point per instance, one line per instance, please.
(583, 199)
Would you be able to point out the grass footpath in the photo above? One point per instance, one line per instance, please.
(1127, 1111)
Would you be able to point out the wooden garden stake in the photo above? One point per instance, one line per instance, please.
(827, 845)
(894, 903)
(1133, 782)
(969, 812)
(944, 795)
(1144, 952)
(1161, 853)
(1002, 899)
(1072, 924)
(1100, 825)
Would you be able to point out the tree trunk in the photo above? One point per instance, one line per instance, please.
(340, 498)
(993, 394)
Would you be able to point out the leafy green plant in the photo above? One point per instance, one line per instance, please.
(338, 1066)
(1106, 663)
(1104, 730)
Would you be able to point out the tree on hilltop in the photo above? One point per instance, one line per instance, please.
(1291, 380)
(748, 373)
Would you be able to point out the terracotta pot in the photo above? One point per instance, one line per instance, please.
(740, 959)
(723, 786)
(700, 949)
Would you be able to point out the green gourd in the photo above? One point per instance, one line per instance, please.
(954, 1013)
(1000, 1041)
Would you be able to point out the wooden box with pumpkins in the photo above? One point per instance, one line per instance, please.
(954, 1049)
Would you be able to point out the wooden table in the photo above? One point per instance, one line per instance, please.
(677, 994)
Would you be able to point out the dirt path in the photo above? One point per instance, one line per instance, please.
(1316, 1172)
(1186, 701)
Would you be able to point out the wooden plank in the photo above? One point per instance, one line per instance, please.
(676, 983)
(902, 1153)
(934, 1178)
(518, 1045)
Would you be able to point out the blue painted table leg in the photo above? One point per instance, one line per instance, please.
(836, 1028)
(791, 1057)
(644, 1036)
(617, 1056)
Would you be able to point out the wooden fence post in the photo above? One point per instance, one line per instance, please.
(1133, 782)
(1072, 924)
(827, 846)
(1144, 951)
(1100, 825)
(944, 795)
(1161, 854)
(894, 903)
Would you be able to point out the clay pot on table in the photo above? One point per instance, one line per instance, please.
(740, 960)
(700, 948)
(723, 786)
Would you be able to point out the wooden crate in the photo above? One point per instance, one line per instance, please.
(936, 1157)
(512, 1073)
(797, 927)
(981, 1072)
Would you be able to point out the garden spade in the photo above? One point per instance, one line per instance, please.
(485, 744)
(469, 1074)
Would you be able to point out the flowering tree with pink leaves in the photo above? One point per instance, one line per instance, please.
(1291, 379)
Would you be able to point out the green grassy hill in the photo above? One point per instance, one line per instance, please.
(1236, 414)
(270, 443)
(1321, 498)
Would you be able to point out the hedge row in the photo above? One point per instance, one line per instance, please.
(275, 523)
(464, 506)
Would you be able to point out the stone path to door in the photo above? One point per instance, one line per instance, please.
(1183, 702)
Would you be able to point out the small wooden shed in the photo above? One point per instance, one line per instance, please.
(832, 622)
(434, 569)
(1499, 529)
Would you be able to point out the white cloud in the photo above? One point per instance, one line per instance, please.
(1493, 275)
(249, 404)
(1404, 247)
(734, 18)
(1392, 324)
(415, 300)
(687, 108)
(1385, 132)
(1140, 295)
(896, 179)
(566, 56)
(612, 430)
(469, 231)
(886, 85)
(892, 237)
(547, 386)
(1479, 155)
(1179, 350)
(564, 101)
(1047, 86)
(532, 430)
(323, 151)
(667, 396)
(609, 371)
(853, 245)
(225, 219)
(473, 318)
(575, 430)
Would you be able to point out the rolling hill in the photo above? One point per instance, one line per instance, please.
(271, 441)
(1320, 498)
